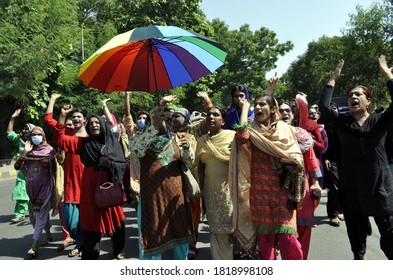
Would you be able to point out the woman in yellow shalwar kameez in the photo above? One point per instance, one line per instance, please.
(212, 161)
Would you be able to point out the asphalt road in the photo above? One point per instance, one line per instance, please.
(327, 242)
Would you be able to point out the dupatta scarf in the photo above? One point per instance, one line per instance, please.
(217, 146)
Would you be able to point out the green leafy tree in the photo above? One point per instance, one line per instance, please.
(366, 36)
(250, 56)
(370, 36)
(311, 70)
(36, 39)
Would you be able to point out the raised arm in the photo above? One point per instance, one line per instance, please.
(386, 72)
(28, 148)
(11, 123)
(156, 115)
(207, 103)
(336, 74)
(65, 110)
(244, 106)
(167, 99)
(272, 84)
(242, 134)
(107, 112)
(127, 120)
(326, 97)
(384, 69)
(52, 101)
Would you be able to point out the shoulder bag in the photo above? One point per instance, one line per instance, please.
(108, 194)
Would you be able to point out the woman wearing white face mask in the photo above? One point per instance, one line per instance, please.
(142, 117)
(38, 164)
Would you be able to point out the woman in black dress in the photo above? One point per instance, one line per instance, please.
(365, 174)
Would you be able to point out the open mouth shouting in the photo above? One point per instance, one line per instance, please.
(76, 122)
(285, 119)
(354, 103)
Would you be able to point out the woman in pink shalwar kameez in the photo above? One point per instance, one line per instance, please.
(277, 178)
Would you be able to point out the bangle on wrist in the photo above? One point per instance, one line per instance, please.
(207, 103)
(242, 127)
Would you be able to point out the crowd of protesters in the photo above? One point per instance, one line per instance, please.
(261, 165)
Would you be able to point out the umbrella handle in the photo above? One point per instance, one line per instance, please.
(154, 70)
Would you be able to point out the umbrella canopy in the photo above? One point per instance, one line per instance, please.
(151, 58)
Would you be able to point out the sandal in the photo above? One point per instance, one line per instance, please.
(120, 256)
(65, 244)
(74, 252)
(32, 253)
(17, 220)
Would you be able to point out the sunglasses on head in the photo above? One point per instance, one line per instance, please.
(286, 110)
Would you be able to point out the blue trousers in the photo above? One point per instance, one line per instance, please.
(71, 221)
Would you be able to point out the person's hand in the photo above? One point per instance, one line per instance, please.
(272, 83)
(337, 72)
(316, 193)
(183, 140)
(28, 147)
(203, 95)
(104, 161)
(103, 102)
(55, 96)
(66, 108)
(302, 94)
(244, 104)
(168, 98)
(16, 114)
(384, 69)
(327, 164)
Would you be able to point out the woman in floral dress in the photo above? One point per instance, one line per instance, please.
(277, 178)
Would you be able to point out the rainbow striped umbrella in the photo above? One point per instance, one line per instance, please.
(151, 58)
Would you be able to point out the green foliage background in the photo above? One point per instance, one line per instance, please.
(41, 51)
